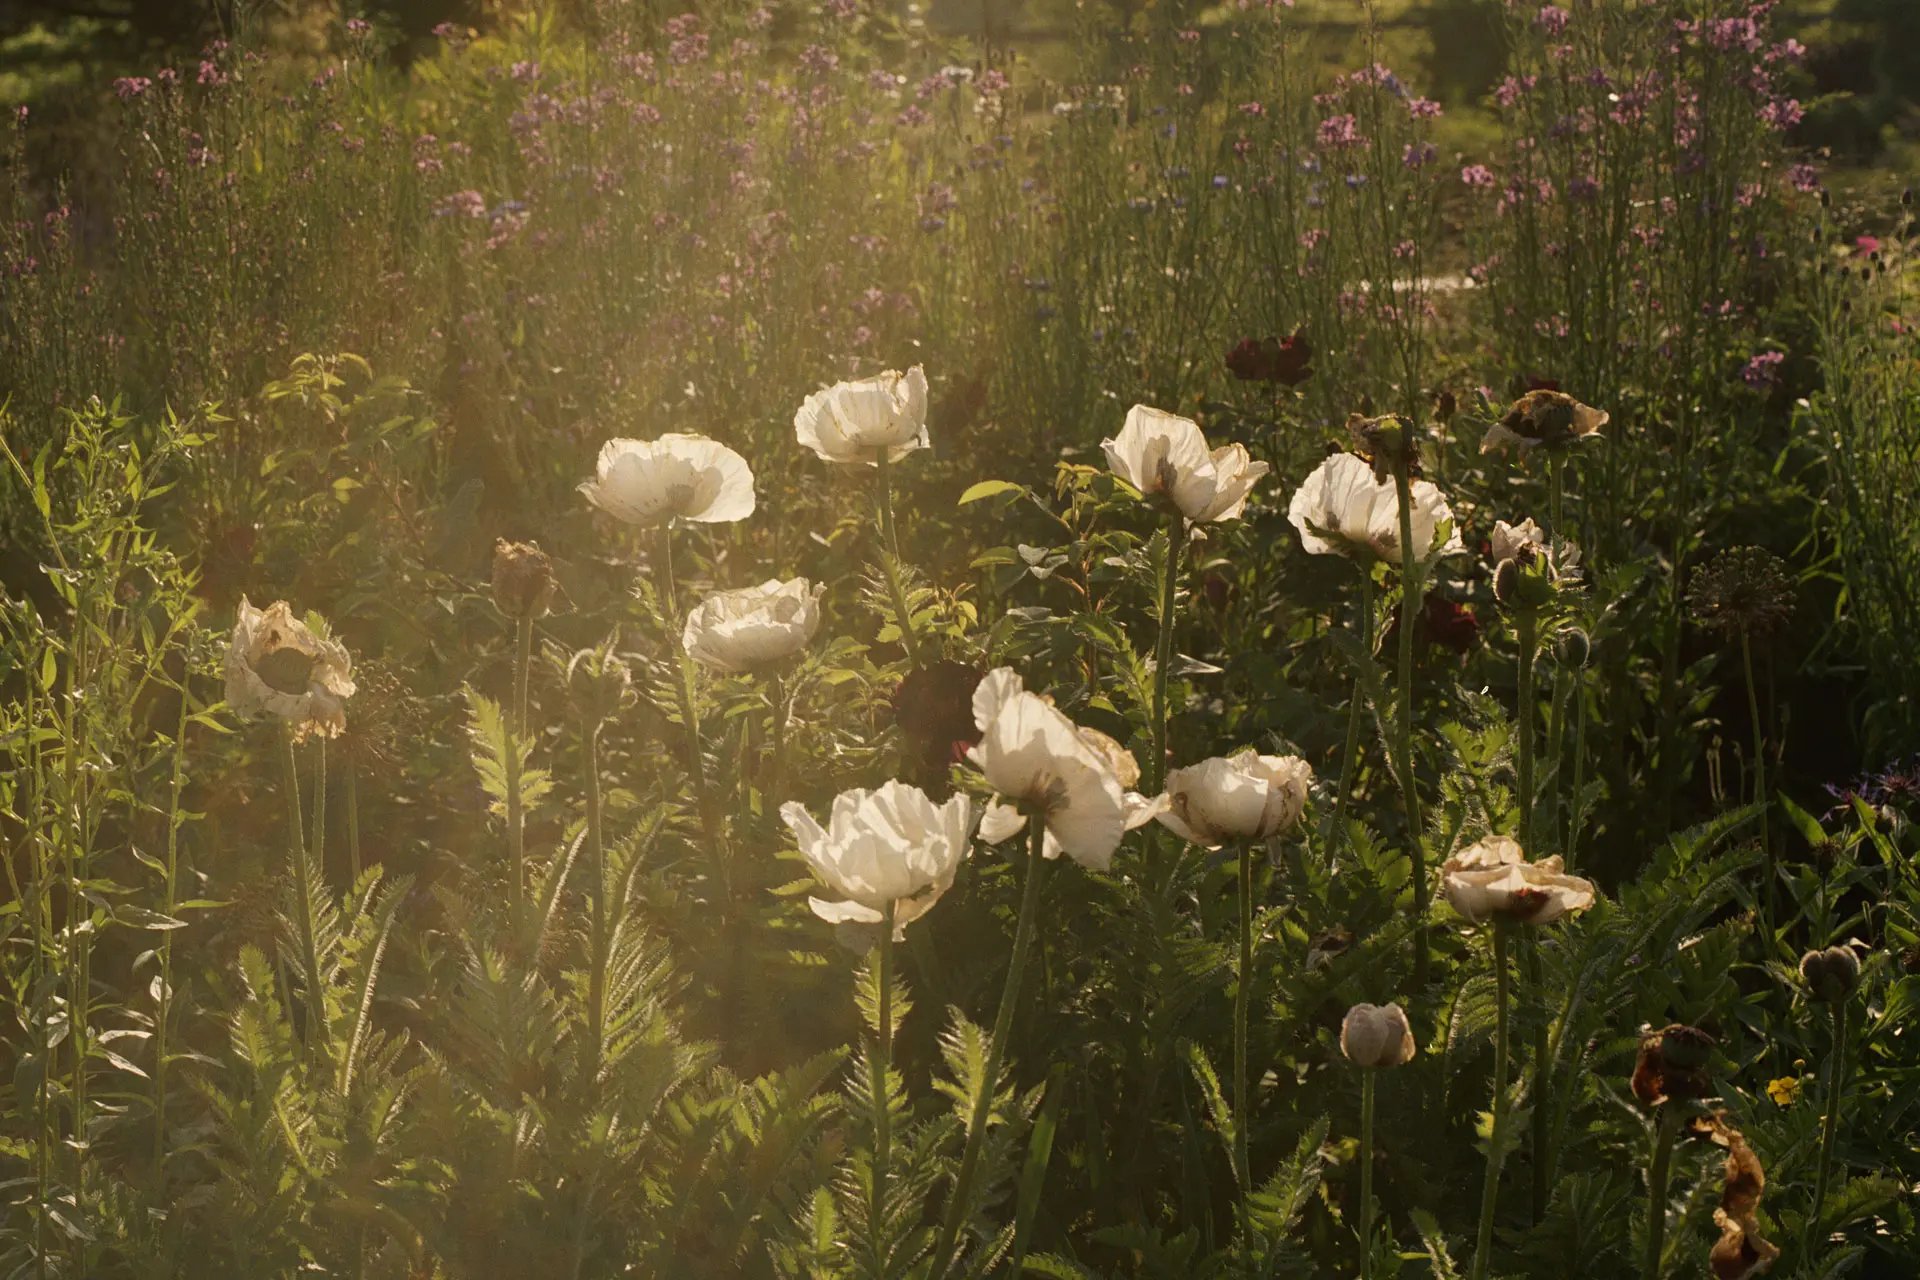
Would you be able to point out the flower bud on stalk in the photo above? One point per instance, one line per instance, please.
(1376, 1036)
(1830, 974)
(523, 582)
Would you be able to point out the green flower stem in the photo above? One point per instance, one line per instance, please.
(1539, 1155)
(1156, 770)
(1577, 814)
(1667, 1126)
(710, 820)
(1760, 796)
(1356, 709)
(353, 817)
(1555, 463)
(319, 845)
(1411, 589)
(996, 1049)
(1242, 1094)
(890, 561)
(776, 761)
(1836, 1084)
(516, 734)
(163, 1010)
(1496, 1137)
(596, 901)
(303, 898)
(879, 1069)
(1367, 1075)
(1525, 627)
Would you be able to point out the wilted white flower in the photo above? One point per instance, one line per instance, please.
(649, 482)
(1244, 796)
(1376, 1035)
(1343, 509)
(753, 626)
(1510, 540)
(1040, 762)
(855, 421)
(276, 665)
(1161, 453)
(890, 844)
(1493, 879)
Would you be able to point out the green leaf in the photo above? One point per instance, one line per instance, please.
(989, 489)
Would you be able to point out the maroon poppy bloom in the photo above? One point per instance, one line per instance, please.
(1286, 360)
(1441, 621)
(934, 709)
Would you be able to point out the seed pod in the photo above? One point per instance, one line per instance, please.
(1571, 648)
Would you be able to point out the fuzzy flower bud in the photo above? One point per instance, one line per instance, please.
(1831, 974)
(1376, 1035)
(522, 579)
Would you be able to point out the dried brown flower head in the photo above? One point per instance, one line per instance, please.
(1673, 1065)
(522, 579)
(1543, 419)
(1741, 1251)
(1743, 591)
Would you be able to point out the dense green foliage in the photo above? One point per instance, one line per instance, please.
(515, 977)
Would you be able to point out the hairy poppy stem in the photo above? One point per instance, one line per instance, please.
(1349, 757)
(1760, 796)
(879, 1070)
(517, 737)
(1496, 1134)
(597, 902)
(1411, 589)
(996, 1050)
(1367, 1075)
(890, 563)
(1242, 999)
(1836, 1083)
(1667, 1126)
(1156, 770)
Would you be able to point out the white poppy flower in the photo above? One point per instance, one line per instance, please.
(276, 665)
(854, 421)
(1041, 762)
(1509, 540)
(1376, 1036)
(649, 482)
(1343, 509)
(888, 845)
(1244, 796)
(1161, 453)
(1493, 879)
(753, 627)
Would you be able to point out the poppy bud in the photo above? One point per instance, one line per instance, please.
(598, 683)
(1830, 975)
(1376, 1035)
(522, 579)
(1673, 1064)
(1572, 648)
(1506, 582)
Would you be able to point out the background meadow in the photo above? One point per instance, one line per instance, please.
(502, 964)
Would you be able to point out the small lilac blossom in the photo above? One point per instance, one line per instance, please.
(1762, 370)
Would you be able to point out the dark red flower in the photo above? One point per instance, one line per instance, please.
(1440, 621)
(1284, 360)
(933, 708)
(1534, 382)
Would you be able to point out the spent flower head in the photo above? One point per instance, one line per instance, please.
(1742, 592)
(278, 665)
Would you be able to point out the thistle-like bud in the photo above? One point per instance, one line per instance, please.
(1571, 648)
(599, 683)
(1506, 583)
(1376, 1035)
(1830, 975)
(522, 579)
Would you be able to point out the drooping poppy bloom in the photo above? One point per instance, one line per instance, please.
(1164, 455)
(1244, 796)
(676, 477)
(733, 631)
(889, 845)
(854, 422)
(1493, 880)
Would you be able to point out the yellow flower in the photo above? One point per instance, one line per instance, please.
(1785, 1091)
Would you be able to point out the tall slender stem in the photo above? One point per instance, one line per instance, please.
(1242, 1100)
(1367, 1075)
(1836, 1084)
(996, 1049)
(777, 756)
(1350, 754)
(353, 817)
(1496, 1139)
(1576, 816)
(879, 1069)
(517, 736)
(711, 822)
(1760, 796)
(1667, 1125)
(596, 900)
(1525, 627)
(1411, 590)
(1156, 771)
(163, 1010)
(890, 561)
(319, 845)
(299, 876)
(1541, 1158)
